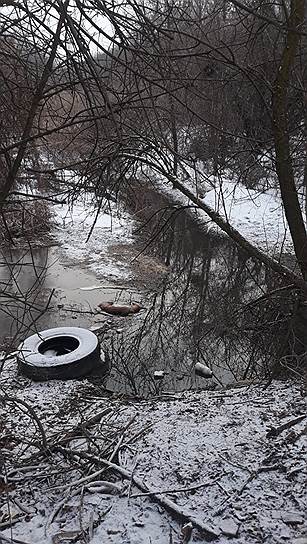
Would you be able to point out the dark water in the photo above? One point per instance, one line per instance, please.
(193, 315)
(39, 291)
(196, 314)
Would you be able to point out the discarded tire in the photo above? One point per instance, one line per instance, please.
(62, 353)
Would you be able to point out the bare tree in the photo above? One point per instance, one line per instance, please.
(125, 90)
(281, 135)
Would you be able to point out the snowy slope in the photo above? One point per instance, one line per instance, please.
(111, 226)
(258, 216)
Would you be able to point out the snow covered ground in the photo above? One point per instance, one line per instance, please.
(258, 216)
(230, 461)
(111, 226)
(79, 464)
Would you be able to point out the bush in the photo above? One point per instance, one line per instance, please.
(24, 219)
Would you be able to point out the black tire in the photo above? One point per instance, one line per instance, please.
(76, 354)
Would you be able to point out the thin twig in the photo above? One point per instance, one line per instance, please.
(176, 490)
(275, 431)
(15, 400)
(169, 505)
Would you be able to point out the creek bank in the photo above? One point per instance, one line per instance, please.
(192, 283)
(78, 273)
(210, 452)
(213, 454)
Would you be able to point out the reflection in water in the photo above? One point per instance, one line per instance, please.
(22, 275)
(197, 314)
(38, 292)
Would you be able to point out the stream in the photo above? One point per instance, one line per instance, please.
(192, 283)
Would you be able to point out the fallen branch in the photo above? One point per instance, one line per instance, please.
(233, 233)
(77, 483)
(287, 274)
(275, 431)
(176, 490)
(169, 505)
(32, 414)
(53, 442)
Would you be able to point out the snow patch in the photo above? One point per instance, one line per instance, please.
(87, 233)
(259, 217)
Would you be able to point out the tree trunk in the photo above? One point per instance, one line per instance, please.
(284, 167)
(305, 158)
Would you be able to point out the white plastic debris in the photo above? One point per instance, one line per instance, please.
(159, 374)
(95, 328)
(203, 370)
